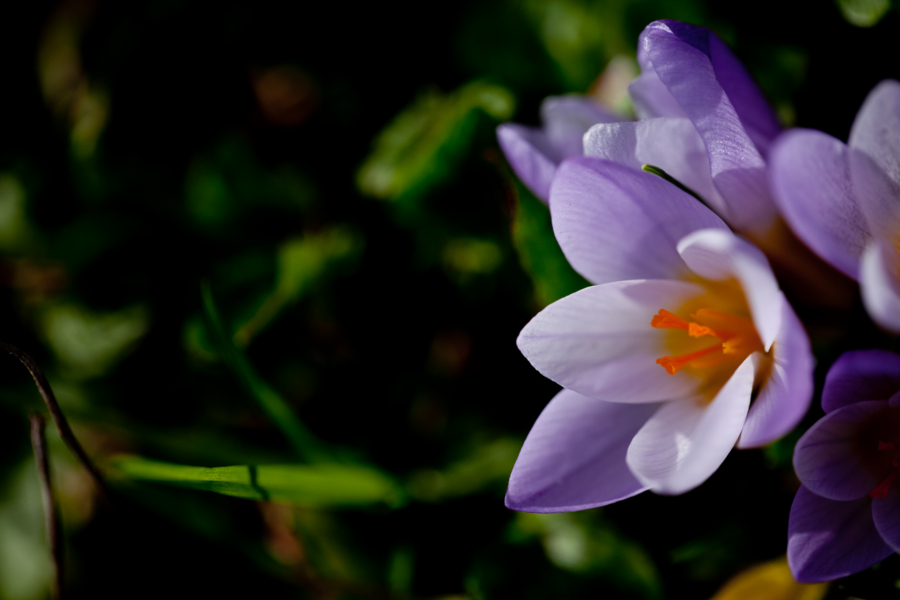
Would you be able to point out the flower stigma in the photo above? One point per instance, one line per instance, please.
(712, 337)
(882, 489)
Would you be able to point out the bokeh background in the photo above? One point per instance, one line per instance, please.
(281, 235)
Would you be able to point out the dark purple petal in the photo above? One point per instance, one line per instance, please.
(686, 440)
(836, 459)
(810, 176)
(876, 129)
(727, 109)
(879, 284)
(828, 539)
(599, 342)
(785, 396)
(574, 456)
(530, 155)
(616, 223)
(886, 514)
(859, 376)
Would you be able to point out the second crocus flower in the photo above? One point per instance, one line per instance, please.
(843, 200)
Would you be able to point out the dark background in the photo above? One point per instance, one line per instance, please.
(146, 147)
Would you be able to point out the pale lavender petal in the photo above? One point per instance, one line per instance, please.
(685, 441)
(832, 460)
(599, 342)
(531, 156)
(828, 539)
(886, 514)
(651, 97)
(716, 93)
(785, 396)
(876, 129)
(567, 118)
(879, 286)
(574, 456)
(615, 223)
(668, 143)
(859, 376)
(810, 177)
(720, 255)
(878, 196)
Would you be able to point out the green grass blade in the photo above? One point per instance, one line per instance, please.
(323, 485)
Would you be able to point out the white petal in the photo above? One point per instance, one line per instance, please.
(719, 255)
(879, 285)
(671, 144)
(685, 441)
(599, 343)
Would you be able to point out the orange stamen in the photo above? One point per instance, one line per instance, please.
(673, 364)
(666, 320)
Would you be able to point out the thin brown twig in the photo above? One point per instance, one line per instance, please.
(51, 517)
(59, 419)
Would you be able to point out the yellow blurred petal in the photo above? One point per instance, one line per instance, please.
(769, 581)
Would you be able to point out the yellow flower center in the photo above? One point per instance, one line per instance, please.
(710, 336)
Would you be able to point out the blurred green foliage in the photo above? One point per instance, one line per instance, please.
(253, 266)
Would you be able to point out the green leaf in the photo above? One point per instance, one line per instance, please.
(422, 146)
(302, 262)
(324, 485)
(538, 250)
(305, 444)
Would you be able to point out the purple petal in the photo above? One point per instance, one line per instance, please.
(879, 286)
(727, 109)
(530, 155)
(810, 177)
(720, 255)
(886, 514)
(859, 376)
(685, 441)
(836, 459)
(876, 129)
(574, 456)
(616, 223)
(876, 193)
(828, 539)
(785, 396)
(599, 342)
(567, 118)
(651, 97)
(670, 144)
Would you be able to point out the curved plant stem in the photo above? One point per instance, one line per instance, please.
(51, 517)
(59, 419)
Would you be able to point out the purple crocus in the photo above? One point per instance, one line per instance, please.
(843, 200)
(534, 153)
(659, 359)
(702, 120)
(846, 515)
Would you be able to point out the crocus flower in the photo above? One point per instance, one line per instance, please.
(843, 200)
(702, 120)
(534, 153)
(660, 359)
(846, 515)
